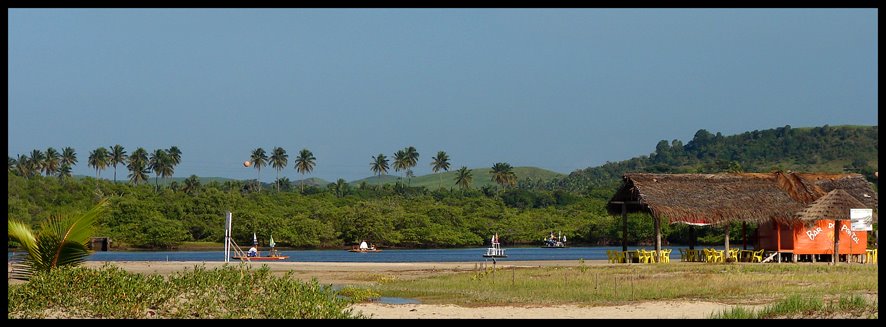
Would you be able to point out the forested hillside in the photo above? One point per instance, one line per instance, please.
(834, 149)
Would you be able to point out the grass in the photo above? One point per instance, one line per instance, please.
(798, 306)
(481, 177)
(228, 292)
(621, 284)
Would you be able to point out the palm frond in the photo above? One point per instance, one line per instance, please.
(71, 229)
(22, 234)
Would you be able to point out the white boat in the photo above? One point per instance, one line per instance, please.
(495, 250)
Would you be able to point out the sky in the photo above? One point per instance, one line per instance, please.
(559, 89)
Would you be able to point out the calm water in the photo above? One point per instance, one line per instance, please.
(417, 255)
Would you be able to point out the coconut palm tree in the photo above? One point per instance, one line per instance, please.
(411, 161)
(161, 164)
(192, 184)
(440, 162)
(463, 178)
(38, 159)
(379, 164)
(98, 159)
(503, 174)
(64, 171)
(69, 157)
(175, 158)
(137, 165)
(60, 241)
(23, 165)
(12, 163)
(283, 183)
(117, 156)
(51, 162)
(305, 162)
(279, 160)
(401, 161)
(259, 159)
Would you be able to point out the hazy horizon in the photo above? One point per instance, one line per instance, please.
(557, 89)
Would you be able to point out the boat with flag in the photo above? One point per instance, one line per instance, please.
(255, 255)
(495, 250)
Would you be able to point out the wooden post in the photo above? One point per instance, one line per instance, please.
(692, 237)
(744, 235)
(657, 224)
(836, 241)
(778, 241)
(726, 252)
(624, 227)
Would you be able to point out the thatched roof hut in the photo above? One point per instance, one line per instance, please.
(834, 205)
(720, 198)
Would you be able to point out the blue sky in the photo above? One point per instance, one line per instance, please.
(560, 89)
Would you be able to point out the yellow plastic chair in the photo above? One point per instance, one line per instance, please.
(683, 255)
(665, 256)
(643, 256)
(620, 257)
(609, 256)
(708, 255)
(757, 256)
(873, 256)
(733, 253)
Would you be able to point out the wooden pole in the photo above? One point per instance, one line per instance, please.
(778, 241)
(726, 252)
(657, 223)
(624, 227)
(836, 241)
(692, 237)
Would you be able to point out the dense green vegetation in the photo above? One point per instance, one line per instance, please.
(229, 292)
(836, 149)
(521, 204)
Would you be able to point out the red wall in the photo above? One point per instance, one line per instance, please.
(819, 238)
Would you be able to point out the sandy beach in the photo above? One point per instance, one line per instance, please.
(341, 273)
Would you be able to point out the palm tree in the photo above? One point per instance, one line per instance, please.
(379, 165)
(37, 161)
(175, 154)
(259, 159)
(138, 162)
(161, 164)
(411, 161)
(23, 165)
(60, 241)
(64, 171)
(440, 162)
(192, 184)
(503, 174)
(279, 160)
(98, 159)
(305, 162)
(51, 162)
(12, 164)
(118, 156)
(69, 157)
(463, 178)
(283, 183)
(401, 161)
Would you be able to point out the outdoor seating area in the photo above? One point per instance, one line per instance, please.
(713, 255)
(639, 256)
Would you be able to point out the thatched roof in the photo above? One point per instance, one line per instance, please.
(718, 198)
(834, 205)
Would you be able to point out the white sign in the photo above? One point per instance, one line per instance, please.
(862, 219)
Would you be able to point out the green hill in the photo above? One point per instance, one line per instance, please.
(833, 149)
(481, 177)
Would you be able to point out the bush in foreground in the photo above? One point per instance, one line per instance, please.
(228, 292)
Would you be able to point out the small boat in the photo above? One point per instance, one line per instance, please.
(364, 250)
(554, 242)
(269, 258)
(495, 250)
(273, 256)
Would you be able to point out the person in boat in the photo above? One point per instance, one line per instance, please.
(252, 252)
(364, 246)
